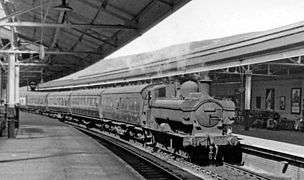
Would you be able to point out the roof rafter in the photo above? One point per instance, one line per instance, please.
(60, 20)
(102, 6)
(9, 51)
(114, 14)
(97, 38)
(171, 4)
(65, 25)
(66, 32)
(145, 8)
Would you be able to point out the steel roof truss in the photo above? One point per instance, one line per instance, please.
(65, 25)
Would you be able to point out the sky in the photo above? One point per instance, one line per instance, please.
(209, 19)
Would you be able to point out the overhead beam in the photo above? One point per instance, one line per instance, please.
(287, 64)
(142, 11)
(31, 72)
(237, 73)
(166, 2)
(9, 51)
(60, 20)
(28, 64)
(69, 33)
(32, 64)
(102, 6)
(115, 11)
(69, 26)
(94, 37)
(41, 65)
(30, 40)
(18, 13)
(106, 41)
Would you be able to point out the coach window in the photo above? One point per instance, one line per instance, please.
(82, 100)
(124, 104)
(161, 92)
(119, 103)
(258, 102)
(106, 101)
(93, 101)
(88, 101)
(131, 104)
(136, 105)
(111, 103)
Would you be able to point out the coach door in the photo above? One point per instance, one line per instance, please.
(146, 109)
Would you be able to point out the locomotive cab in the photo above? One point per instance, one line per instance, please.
(161, 92)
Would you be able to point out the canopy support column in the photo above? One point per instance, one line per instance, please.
(247, 103)
(12, 88)
(11, 96)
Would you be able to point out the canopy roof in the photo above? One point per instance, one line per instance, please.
(285, 45)
(71, 35)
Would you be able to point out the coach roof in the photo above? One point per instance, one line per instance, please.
(126, 89)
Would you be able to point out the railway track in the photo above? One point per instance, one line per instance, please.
(162, 165)
(147, 165)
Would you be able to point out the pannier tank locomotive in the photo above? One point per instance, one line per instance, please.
(185, 122)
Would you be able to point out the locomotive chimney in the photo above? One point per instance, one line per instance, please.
(204, 83)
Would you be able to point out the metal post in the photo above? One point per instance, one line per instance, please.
(248, 91)
(17, 79)
(41, 76)
(17, 73)
(11, 91)
(1, 86)
(247, 103)
(2, 106)
(4, 87)
(11, 96)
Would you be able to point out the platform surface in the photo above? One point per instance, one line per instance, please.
(48, 149)
(288, 136)
(283, 147)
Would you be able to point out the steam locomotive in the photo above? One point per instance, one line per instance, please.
(190, 123)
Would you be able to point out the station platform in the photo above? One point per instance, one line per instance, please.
(282, 147)
(288, 142)
(48, 149)
(290, 137)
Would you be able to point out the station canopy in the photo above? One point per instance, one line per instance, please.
(55, 38)
(271, 54)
